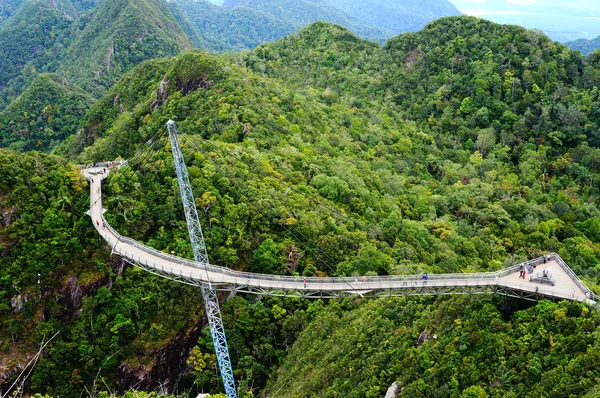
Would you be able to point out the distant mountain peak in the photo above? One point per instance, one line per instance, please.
(119, 35)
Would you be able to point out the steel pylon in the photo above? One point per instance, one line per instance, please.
(209, 293)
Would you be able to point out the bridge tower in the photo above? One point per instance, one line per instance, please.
(209, 293)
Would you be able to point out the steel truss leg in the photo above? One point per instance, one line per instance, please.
(217, 331)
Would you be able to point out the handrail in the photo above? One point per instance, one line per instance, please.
(574, 276)
(344, 280)
(257, 277)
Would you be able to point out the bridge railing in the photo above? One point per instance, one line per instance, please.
(316, 281)
(299, 279)
(574, 277)
(338, 280)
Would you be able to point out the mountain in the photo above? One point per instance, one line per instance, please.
(304, 12)
(32, 40)
(196, 39)
(88, 51)
(226, 29)
(7, 8)
(455, 347)
(396, 16)
(584, 45)
(44, 115)
(467, 146)
(116, 36)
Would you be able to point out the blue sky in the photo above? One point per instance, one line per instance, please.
(562, 20)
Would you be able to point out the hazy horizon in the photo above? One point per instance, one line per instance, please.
(562, 20)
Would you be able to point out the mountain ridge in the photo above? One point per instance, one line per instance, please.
(586, 46)
(118, 35)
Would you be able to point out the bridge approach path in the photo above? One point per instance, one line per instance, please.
(567, 284)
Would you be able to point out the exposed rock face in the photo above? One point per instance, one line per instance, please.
(7, 217)
(16, 302)
(162, 92)
(393, 391)
(423, 337)
(169, 366)
(200, 82)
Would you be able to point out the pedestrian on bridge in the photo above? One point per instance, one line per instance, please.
(305, 282)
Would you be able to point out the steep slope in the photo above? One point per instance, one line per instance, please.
(8, 8)
(32, 40)
(584, 45)
(455, 347)
(115, 37)
(227, 29)
(55, 276)
(196, 38)
(304, 12)
(45, 114)
(322, 154)
(396, 16)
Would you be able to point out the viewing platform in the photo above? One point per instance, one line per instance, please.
(567, 286)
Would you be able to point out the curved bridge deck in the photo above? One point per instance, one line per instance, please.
(507, 281)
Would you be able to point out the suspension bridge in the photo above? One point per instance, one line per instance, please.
(545, 277)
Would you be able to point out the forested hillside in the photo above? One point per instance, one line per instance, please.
(450, 347)
(232, 29)
(47, 112)
(117, 36)
(31, 41)
(584, 45)
(467, 146)
(87, 53)
(396, 16)
(303, 12)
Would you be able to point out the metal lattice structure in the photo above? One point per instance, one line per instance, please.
(209, 293)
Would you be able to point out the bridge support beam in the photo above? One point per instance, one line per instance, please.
(209, 293)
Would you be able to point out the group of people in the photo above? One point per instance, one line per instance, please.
(524, 270)
(98, 223)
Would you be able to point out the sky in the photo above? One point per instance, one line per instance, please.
(562, 20)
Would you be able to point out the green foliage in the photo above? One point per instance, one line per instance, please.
(223, 29)
(115, 37)
(586, 46)
(32, 41)
(44, 115)
(303, 12)
(445, 347)
(464, 147)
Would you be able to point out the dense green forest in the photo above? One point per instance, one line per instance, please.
(32, 41)
(302, 12)
(47, 112)
(223, 29)
(450, 347)
(586, 46)
(397, 16)
(115, 37)
(92, 43)
(467, 146)
(86, 51)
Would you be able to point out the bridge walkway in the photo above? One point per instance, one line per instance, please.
(507, 281)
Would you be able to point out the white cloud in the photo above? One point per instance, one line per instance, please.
(522, 2)
(478, 12)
